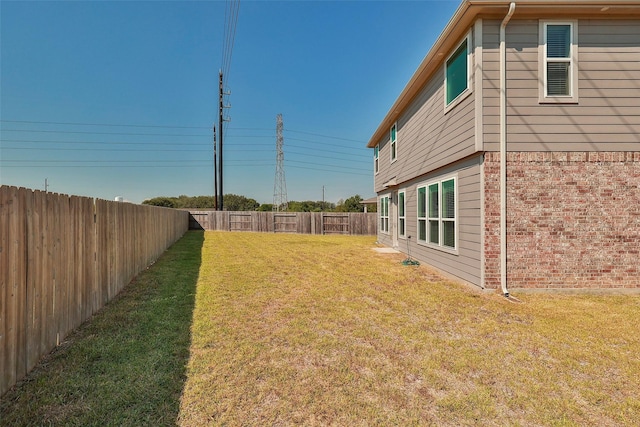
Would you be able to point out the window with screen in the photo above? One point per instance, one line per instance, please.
(437, 213)
(559, 61)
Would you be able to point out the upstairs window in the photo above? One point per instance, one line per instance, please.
(558, 58)
(457, 73)
(559, 61)
(393, 137)
(376, 153)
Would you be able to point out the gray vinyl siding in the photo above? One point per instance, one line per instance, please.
(427, 137)
(434, 142)
(466, 264)
(607, 116)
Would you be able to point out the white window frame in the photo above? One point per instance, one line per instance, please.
(384, 214)
(572, 60)
(431, 218)
(393, 142)
(376, 159)
(402, 214)
(468, 90)
(427, 219)
(421, 217)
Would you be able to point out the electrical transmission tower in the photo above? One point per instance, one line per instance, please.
(280, 185)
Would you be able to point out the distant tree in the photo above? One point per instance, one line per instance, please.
(294, 206)
(233, 202)
(165, 202)
(352, 204)
(265, 207)
(182, 201)
(310, 206)
(200, 202)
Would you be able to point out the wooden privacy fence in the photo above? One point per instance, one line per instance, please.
(285, 222)
(64, 257)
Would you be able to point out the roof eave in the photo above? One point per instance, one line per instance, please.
(427, 67)
(457, 27)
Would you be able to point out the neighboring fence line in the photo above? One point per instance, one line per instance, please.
(62, 258)
(354, 223)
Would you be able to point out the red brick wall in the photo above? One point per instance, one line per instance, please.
(573, 220)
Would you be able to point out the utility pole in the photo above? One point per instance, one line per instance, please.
(215, 170)
(280, 185)
(46, 185)
(220, 122)
(323, 198)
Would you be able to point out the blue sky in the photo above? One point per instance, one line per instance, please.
(107, 99)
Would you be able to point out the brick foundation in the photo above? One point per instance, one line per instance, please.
(573, 220)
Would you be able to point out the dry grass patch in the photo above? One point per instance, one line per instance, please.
(321, 330)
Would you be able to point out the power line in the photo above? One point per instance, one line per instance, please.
(327, 144)
(327, 170)
(325, 165)
(98, 161)
(327, 157)
(243, 162)
(113, 150)
(333, 152)
(133, 125)
(148, 134)
(101, 133)
(260, 129)
(231, 21)
(182, 144)
(230, 24)
(266, 162)
(147, 150)
(103, 124)
(136, 164)
(106, 166)
(176, 150)
(117, 166)
(152, 147)
(326, 136)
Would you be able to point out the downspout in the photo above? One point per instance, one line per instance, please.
(503, 150)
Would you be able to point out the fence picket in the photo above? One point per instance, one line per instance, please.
(4, 279)
(61, 259)
(20, 284)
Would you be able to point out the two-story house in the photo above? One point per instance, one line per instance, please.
(511, 159)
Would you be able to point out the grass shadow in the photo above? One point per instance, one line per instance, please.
(127, 364)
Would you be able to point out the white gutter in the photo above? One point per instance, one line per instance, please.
(503, 150)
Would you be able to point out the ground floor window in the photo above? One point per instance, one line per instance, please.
(422, 215)
(437, 213)
(401, 215)
(384, 214)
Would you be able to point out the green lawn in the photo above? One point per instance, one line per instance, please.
(321, 330)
